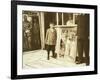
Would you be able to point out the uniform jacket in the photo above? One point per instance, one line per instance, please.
(51, 37)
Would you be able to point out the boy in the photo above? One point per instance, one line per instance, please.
(51, 37)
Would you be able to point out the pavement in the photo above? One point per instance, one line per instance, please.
(38, 59)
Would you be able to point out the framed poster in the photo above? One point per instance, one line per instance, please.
(53, 39)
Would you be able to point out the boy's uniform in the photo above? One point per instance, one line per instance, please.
(51, 37)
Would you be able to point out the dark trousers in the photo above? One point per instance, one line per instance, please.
(50, 48)
(83, 46)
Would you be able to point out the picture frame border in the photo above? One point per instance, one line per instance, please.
(14, 39)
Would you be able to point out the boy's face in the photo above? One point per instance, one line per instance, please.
(51, 25)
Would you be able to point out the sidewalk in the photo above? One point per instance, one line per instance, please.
(38, 59)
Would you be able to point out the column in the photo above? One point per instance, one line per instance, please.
(58, 34)
(73, 18)
(42, 29)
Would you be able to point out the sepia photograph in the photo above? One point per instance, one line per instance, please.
(53, 39)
